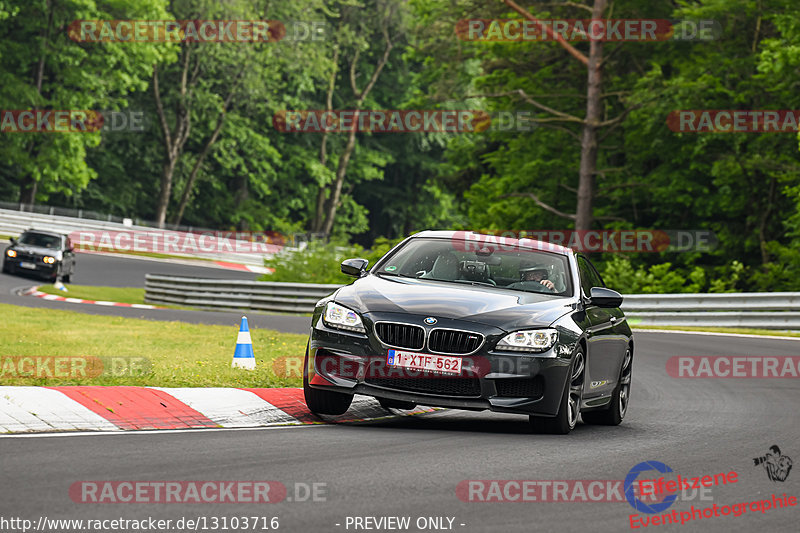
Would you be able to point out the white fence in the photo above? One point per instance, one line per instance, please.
(15, 222)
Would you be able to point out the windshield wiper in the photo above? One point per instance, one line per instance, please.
(464, 282)
(392, 274)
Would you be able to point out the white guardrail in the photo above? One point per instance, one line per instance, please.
(15, 222)
(767, 310)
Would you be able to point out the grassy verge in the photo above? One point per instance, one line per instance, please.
(176, 354)
(743, 331)
(126, 295)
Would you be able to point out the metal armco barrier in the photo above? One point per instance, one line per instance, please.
(764, 310)
(15, 222)
(235, 294)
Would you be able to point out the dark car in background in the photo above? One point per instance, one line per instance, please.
(43, 253)
(469, 321)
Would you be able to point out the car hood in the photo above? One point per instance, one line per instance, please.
(37, 250)
(505, 309)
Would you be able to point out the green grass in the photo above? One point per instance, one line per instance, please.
(126, 295)
(743, 331)
(177, 354)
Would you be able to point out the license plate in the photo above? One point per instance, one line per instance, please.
(424, 361)
(25, 264)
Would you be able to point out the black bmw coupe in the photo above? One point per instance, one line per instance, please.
(471, 321)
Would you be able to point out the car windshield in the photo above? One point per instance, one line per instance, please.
(40, 239)
(460, 261)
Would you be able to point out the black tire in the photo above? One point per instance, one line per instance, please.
(324, 402)
(6, 268)
(67, 278)
(570, 406)
(618, 406)
(386, 403)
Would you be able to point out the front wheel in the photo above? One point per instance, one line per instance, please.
(613, 415)
(570, 406)
(324, 402)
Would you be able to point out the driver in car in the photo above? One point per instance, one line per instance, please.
(534, 278)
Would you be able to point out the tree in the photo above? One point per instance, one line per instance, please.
(42, 68)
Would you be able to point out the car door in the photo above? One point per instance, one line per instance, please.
(604, 345)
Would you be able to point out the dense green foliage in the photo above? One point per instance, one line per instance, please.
(745, 187)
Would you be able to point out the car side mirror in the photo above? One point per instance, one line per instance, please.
(602, 297)
(12, 240)
(355, 267)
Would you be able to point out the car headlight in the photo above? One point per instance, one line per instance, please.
(11, 253)
(534, 340)
(339, 316)
(49, 260)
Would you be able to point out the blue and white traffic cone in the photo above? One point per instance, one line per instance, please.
(243, 356)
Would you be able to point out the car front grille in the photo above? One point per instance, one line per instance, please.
(26, 257)
(401, 335)
(520, 387)
(454, 341)
(431, 385)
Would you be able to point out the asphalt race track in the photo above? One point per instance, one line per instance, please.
(411, 466)
(116, 271)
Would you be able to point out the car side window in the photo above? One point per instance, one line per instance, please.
(589, 276)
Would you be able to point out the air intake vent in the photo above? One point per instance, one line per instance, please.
(520, 387)
(431, 385)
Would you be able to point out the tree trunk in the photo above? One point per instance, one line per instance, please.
(322, 194)
(27, 190)
(173, 141)
(341, 172)
(187, 190)
(588, 165)
(361, 95)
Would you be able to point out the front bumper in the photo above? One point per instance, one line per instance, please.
(499, 381)
(33, 265)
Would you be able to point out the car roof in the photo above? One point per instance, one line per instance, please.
(44, 232)
(496, 239)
